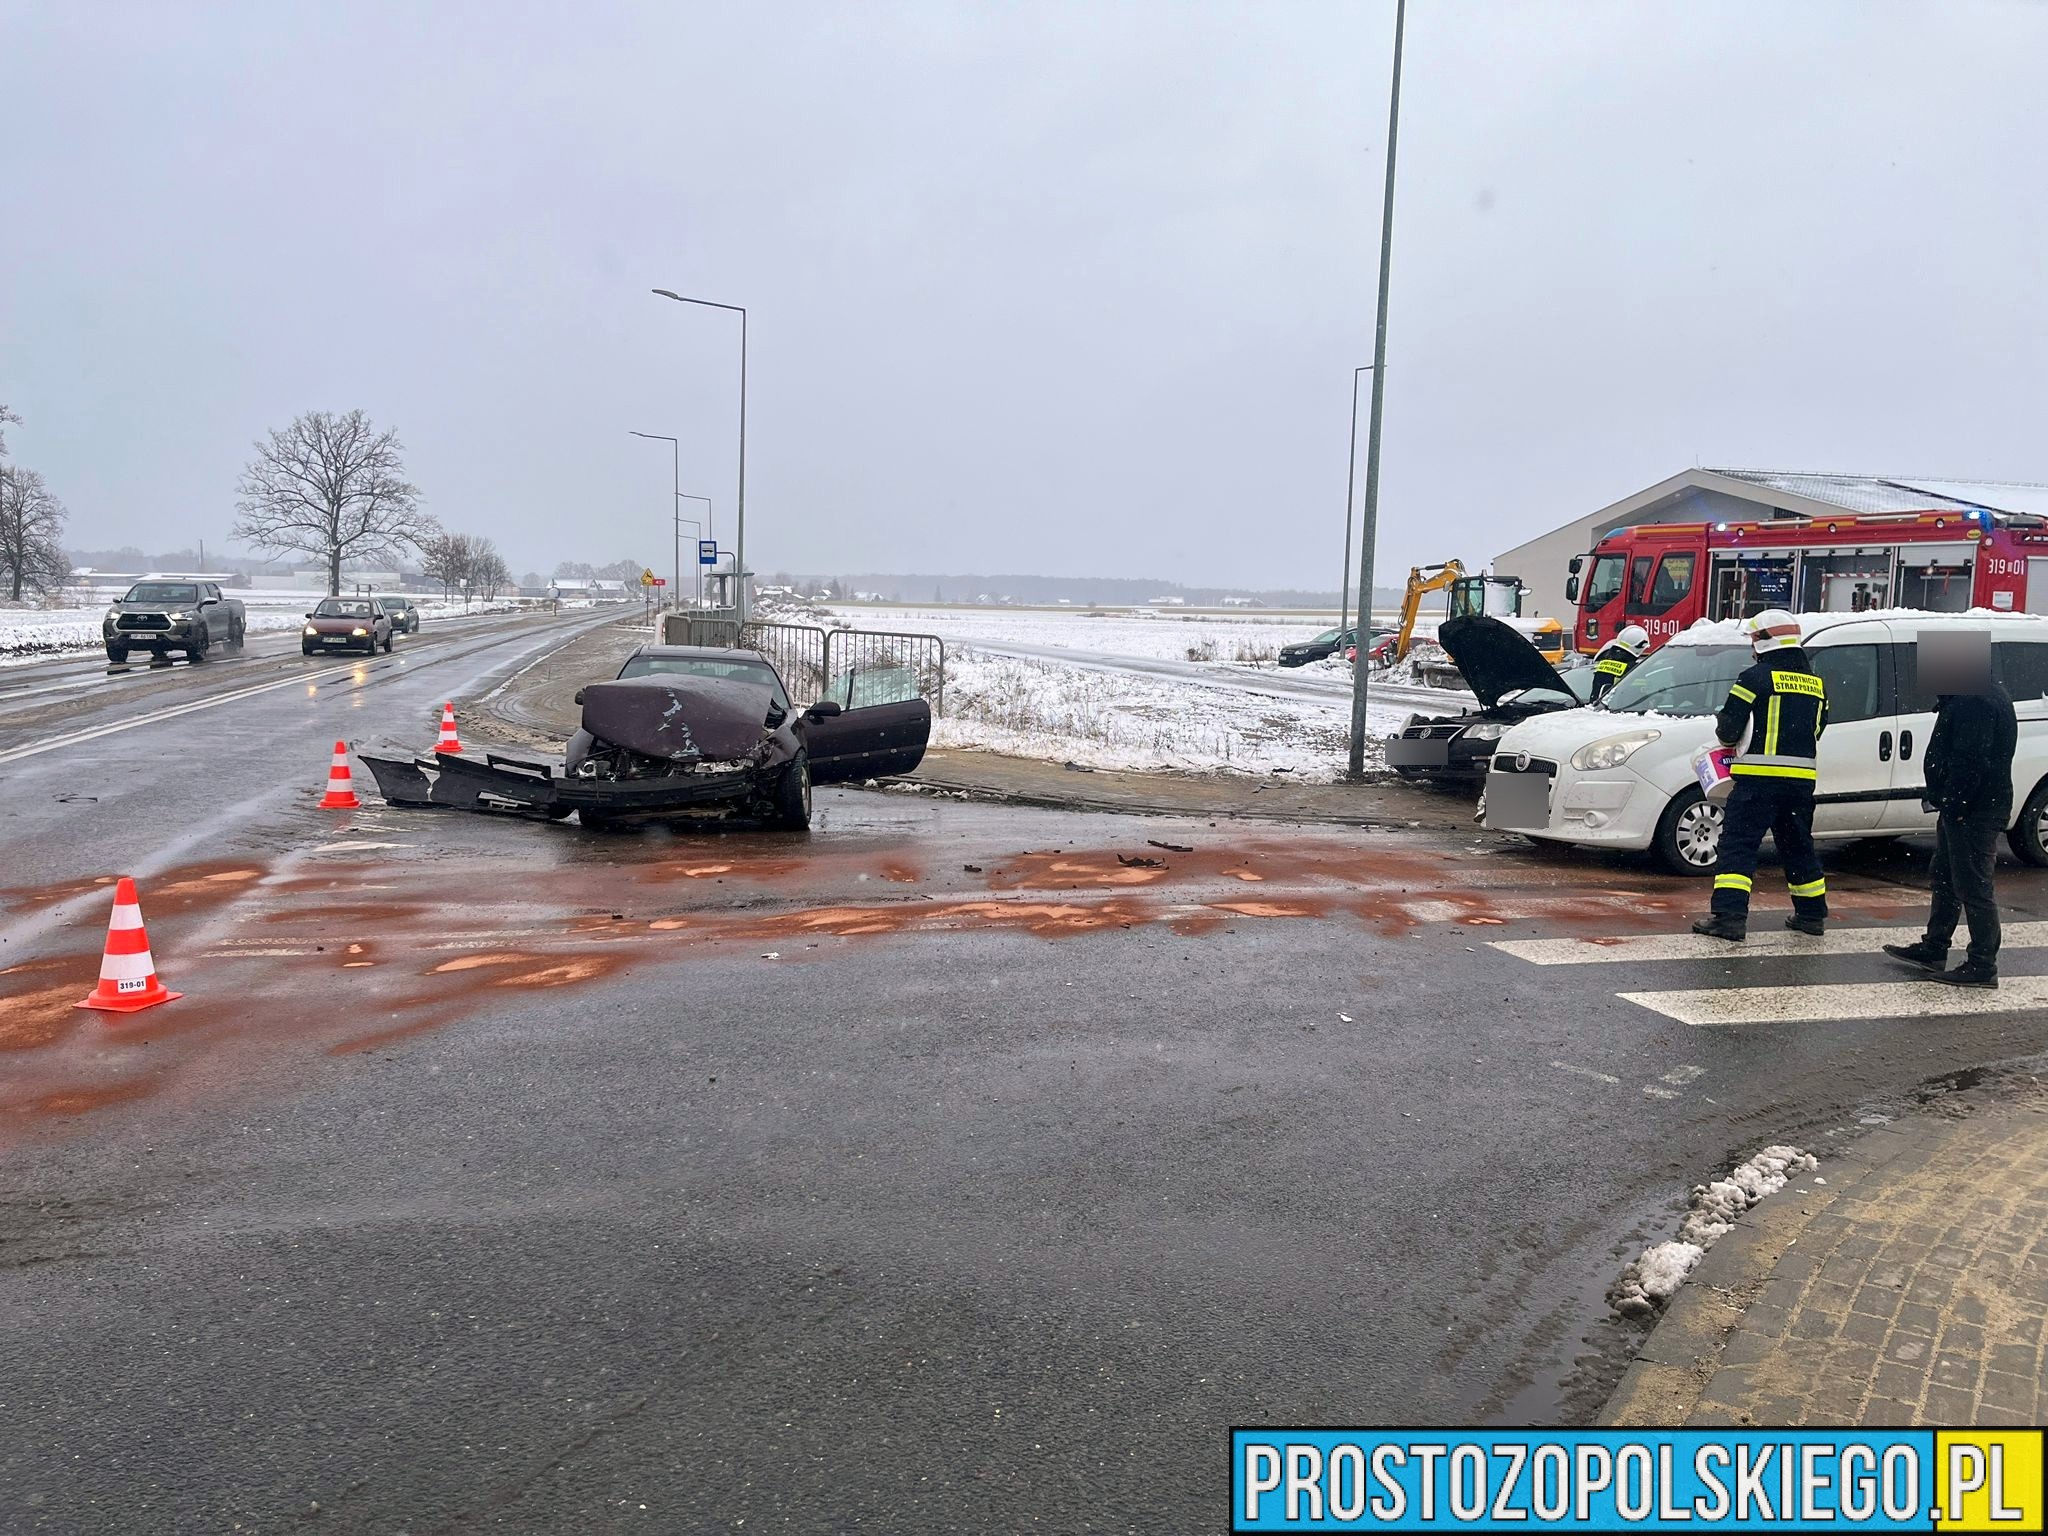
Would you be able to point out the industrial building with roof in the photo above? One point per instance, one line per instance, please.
(1749, 495)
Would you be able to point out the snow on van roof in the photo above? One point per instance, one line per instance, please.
(1729, 631)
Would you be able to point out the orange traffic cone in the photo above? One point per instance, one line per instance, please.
(449, 741)
(128, 981)
(341, 786)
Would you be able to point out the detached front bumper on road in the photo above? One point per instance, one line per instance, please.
(518, 787)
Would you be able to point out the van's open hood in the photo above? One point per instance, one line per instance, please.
(679, 718)
(1495, 658)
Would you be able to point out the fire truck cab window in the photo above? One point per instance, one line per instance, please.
(1639, 583)
(1605, 585)
(1673, 583)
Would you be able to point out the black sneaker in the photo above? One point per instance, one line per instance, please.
(1929, 957)
(1727, 928)
(1817, 926)
(1971, 973)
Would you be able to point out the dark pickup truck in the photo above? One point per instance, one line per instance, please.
(161, 616)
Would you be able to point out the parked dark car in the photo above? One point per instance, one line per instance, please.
(348, 624)
(405, 614)
(681, 731)
(165, 616)
(1509, 679)
(1331, 642)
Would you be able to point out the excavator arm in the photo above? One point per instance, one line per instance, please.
(1422, 580)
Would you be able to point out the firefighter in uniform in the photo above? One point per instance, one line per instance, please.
(1782, 705)
(1618, 658)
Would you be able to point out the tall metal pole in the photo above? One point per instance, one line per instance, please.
(705, 530)
(675, 459)
(1369, 531)
(740, 555)
(1350, 506)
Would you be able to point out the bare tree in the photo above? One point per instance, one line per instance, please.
(333, 487)
(441, 558)
(32, 557)
(6, 416)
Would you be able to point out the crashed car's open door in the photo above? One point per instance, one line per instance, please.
(867, 743)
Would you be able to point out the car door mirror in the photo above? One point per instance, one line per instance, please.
(825, 709)
(208, 602)
(579, 695)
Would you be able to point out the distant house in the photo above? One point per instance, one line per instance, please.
(1240, 602)
(1169, 602)
(608, 589)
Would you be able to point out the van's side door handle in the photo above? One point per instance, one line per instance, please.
(1905, 745)
(1884, 746)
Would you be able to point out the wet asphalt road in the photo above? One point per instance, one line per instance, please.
(941, 1170)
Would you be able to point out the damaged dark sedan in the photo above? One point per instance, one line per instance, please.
(681, 731)
(1510, 680)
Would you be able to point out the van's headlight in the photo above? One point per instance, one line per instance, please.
(1612, 751)
(1485, 730)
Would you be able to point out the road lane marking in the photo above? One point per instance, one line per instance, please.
(1777, 942)
(1598, 1077)
(215, 701)
(1853, 1002)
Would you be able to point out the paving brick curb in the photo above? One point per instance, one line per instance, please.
(1905, 1281)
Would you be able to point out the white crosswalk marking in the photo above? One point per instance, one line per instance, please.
(1790, 1003)
(1842, 1002)
(1761, 946)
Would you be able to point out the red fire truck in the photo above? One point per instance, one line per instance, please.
(1664, 576)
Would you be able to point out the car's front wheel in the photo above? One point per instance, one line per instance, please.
(1688, 840)
(196, 651)
(792, 804)
(387, 642)
(2028, 838)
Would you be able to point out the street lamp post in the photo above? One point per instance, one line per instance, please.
(1370, 524)
(739, 563)
(675, 458)
(703, 532)
(1350, 505)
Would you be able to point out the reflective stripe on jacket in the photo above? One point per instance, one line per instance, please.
(1783, 706)
(1610, 667)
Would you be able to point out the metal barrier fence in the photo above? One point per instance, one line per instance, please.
(880, 666)
(857, 667)
(798, 651)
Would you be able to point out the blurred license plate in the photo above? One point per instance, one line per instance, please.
(1417, 752)
(1517, 799)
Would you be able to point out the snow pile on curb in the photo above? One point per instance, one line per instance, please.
(1653, 1279)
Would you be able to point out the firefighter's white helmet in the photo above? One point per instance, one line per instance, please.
(1772, 630)
(1634, 637)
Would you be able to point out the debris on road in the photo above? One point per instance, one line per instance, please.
(1139, 861)
(1153, 842)
(1648, 1283)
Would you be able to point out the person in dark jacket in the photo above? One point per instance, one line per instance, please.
(1782, 706)
(1618, 658)
(1968, 763)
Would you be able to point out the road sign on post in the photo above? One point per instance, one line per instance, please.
(659, 581)
(707, 551)
(647, 579)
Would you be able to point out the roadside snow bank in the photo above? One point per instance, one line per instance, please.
(1024, 707)
(1652, 1280)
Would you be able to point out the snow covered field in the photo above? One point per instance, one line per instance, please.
(1211, 720)
(27, 633)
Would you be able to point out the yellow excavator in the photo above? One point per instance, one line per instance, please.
(1500, 596)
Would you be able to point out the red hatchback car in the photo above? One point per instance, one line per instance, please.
(347, 624)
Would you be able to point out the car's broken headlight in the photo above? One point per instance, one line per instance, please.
(1613, 751)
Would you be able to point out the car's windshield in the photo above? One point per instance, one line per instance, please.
(163, 592)
(1327, 637)
(738, 668)
(1680, 680)
(338, 608)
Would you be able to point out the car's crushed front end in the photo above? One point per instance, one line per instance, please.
(656, 745)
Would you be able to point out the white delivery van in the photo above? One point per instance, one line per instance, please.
(1619, 774)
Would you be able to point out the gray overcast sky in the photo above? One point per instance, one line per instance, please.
(1045, 287)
